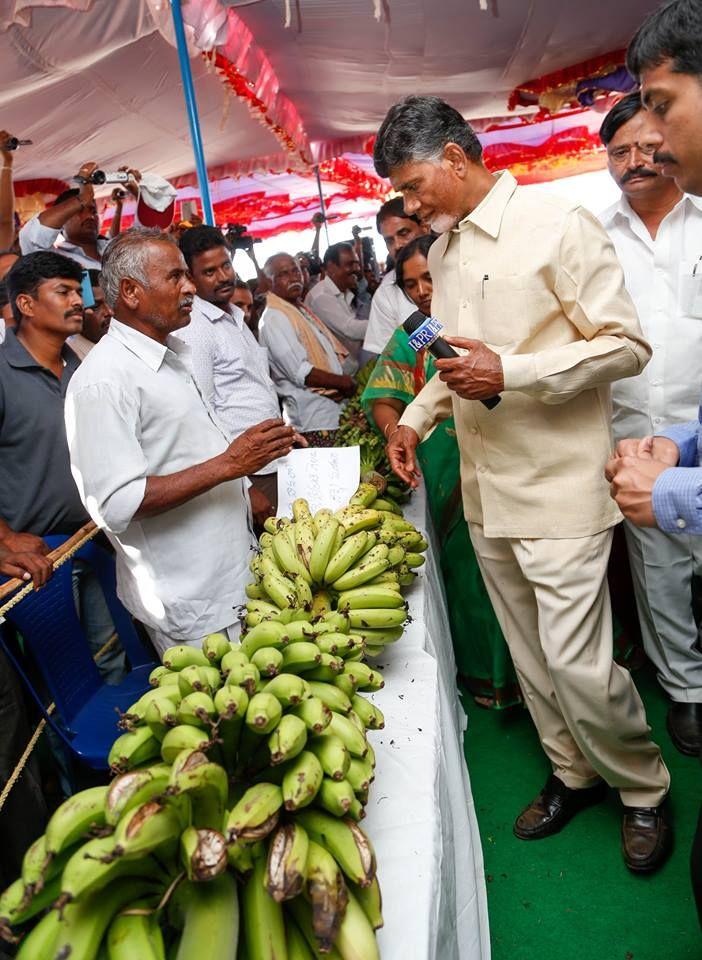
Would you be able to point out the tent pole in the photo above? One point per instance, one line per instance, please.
(191, 109)
(321, 201)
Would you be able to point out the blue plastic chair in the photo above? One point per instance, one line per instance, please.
(86, 707)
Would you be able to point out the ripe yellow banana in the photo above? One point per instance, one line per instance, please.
(370, 596)
(354, 519)
(304, 539)
(370, 566)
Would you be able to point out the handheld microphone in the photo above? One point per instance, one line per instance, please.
(425, 333)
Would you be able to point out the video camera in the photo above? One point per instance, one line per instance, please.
(13, 142)
(238, 239)
(98, 177)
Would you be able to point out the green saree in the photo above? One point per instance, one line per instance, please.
(482, 657)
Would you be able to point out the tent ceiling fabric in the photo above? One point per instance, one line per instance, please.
(99, 79)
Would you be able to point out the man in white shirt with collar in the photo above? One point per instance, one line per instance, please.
(390, 307)
(657, 233)
(153, 466)
(332, 299)
(230, 367)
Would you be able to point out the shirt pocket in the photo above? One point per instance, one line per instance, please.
(502, 309)
(690, 288)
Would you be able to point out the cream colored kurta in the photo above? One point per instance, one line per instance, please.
(536, 278)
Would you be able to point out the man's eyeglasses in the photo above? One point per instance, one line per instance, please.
(619, 154)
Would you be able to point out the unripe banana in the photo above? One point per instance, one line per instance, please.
(335, 796)
(245, 675)
(234, 658)
(322, 549)
(288, 688)
(344, 558)
(374, 651)
(299, 630)
(354, 519)
(332, 754)
(256, 813)
(263, 713)
(18, 904)
(205, 783)
(268, 634)
(304, 539)
(392, 522)
(326, 891)
(210, 919)
(344, 840)
(321, 603)
(356, 939)
(298, 657)
(85, 921)
(145, 829)
(364, 496)
(182, 655)
(322, 517)
(339, 539)
(286, 867)
(156, 674)
(360, 775)
(346, 683)
(371, 541)
(137, 934)
(133, 748)
(169, 679)
(296, 945)
(268, 610)
(288, 739)
(183, 737)
(93, 866)
(364, 677)
(414, 560)
(255, 591)
(74, 818)
(41, 939)
(377, 636)
(369, 714)
(198, 710)
(268, 661)
(301, 914)
(407, 578)
(230, 702)
(370, 566)
(287, 558)
(303, 593)
(280, 589)
(344, 728)
(266, 539)
(240, 857)
(334, 643)
(264, 925)
(203, 853)
(302, 780)
(387, 505)
(331, 695)
(396, 555)
(380, 596)
(157, 694)
(377, 618)
(214, 646)
(160, 716)
(134, 788)
(273, 524)
(389, 578)
(38, 866)
(315, 714)
(371, 901)
(194, 678)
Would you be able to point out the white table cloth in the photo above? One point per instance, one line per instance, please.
(420, 815)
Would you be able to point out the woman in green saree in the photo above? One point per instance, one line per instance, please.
(483, 660)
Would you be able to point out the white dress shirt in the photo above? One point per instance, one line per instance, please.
(35, 236)
(231, 368)
(336, 310)
(668, 297)
(389, 308)
(305, 409)
(133, 411)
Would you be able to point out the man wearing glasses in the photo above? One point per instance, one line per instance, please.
(657, 233)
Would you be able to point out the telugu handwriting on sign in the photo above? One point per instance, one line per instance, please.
(325, 476)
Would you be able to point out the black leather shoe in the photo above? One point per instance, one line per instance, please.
(647, 838)
(554, 807)
(684, 724)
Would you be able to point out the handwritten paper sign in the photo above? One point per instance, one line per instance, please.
(324, 476)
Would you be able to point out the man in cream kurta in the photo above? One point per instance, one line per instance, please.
(531, 287)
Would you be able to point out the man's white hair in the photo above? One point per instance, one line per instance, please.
(126, 257)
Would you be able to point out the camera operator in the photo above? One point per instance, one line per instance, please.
(238, 239)
(73, 214)
(7, 194)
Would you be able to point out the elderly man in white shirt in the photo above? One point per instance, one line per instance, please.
(332, 299)
(390, 307)
(230, 367)
(310, 367)
(154, 467)
(657, 233)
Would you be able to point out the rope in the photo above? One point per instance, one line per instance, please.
(58, 557)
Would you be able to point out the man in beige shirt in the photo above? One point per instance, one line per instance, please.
(530, 291)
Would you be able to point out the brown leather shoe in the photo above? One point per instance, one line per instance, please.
(554, 807)
(647, 838)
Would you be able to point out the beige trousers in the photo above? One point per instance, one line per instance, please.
(552, 601)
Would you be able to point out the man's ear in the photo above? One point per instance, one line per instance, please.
(129, 291)
(25, 304)
(454, 156)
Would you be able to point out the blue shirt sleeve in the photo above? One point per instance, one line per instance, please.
(677, 500)
(685, 437)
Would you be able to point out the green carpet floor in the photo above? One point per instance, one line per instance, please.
(570, 896)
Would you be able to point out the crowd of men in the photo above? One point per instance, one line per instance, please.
(161, 410)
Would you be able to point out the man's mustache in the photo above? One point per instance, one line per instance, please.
(638, 172)
(660, 156)
(77, 312)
